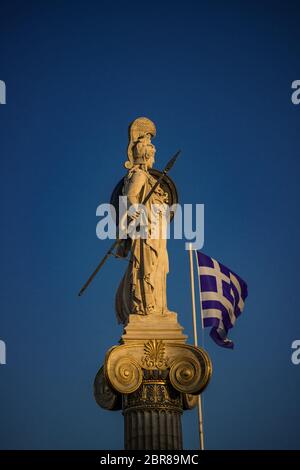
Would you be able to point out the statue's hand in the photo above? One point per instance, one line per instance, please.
(134, 215)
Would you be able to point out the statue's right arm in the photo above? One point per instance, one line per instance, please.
(136, 184)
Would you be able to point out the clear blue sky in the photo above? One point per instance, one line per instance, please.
(216, 79)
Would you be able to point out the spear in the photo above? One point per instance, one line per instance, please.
(118, 240)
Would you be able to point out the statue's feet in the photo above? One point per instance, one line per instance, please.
(150, 309)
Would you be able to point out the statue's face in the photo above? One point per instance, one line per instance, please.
(151, 155)
(144, 152)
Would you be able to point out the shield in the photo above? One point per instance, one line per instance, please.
(167, 185)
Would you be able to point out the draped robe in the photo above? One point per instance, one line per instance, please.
(142, 290)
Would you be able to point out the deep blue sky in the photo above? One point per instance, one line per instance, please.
(216, 79)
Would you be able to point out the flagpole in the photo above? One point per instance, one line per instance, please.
(200, 415)
(199, 287)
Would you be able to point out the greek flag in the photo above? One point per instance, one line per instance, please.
(223, 294)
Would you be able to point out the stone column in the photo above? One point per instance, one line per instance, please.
(152, 414)
(153, 376)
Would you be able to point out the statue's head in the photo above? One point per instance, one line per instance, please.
(144, 152)
(140, 149)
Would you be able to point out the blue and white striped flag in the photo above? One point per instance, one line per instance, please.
(223, 294)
